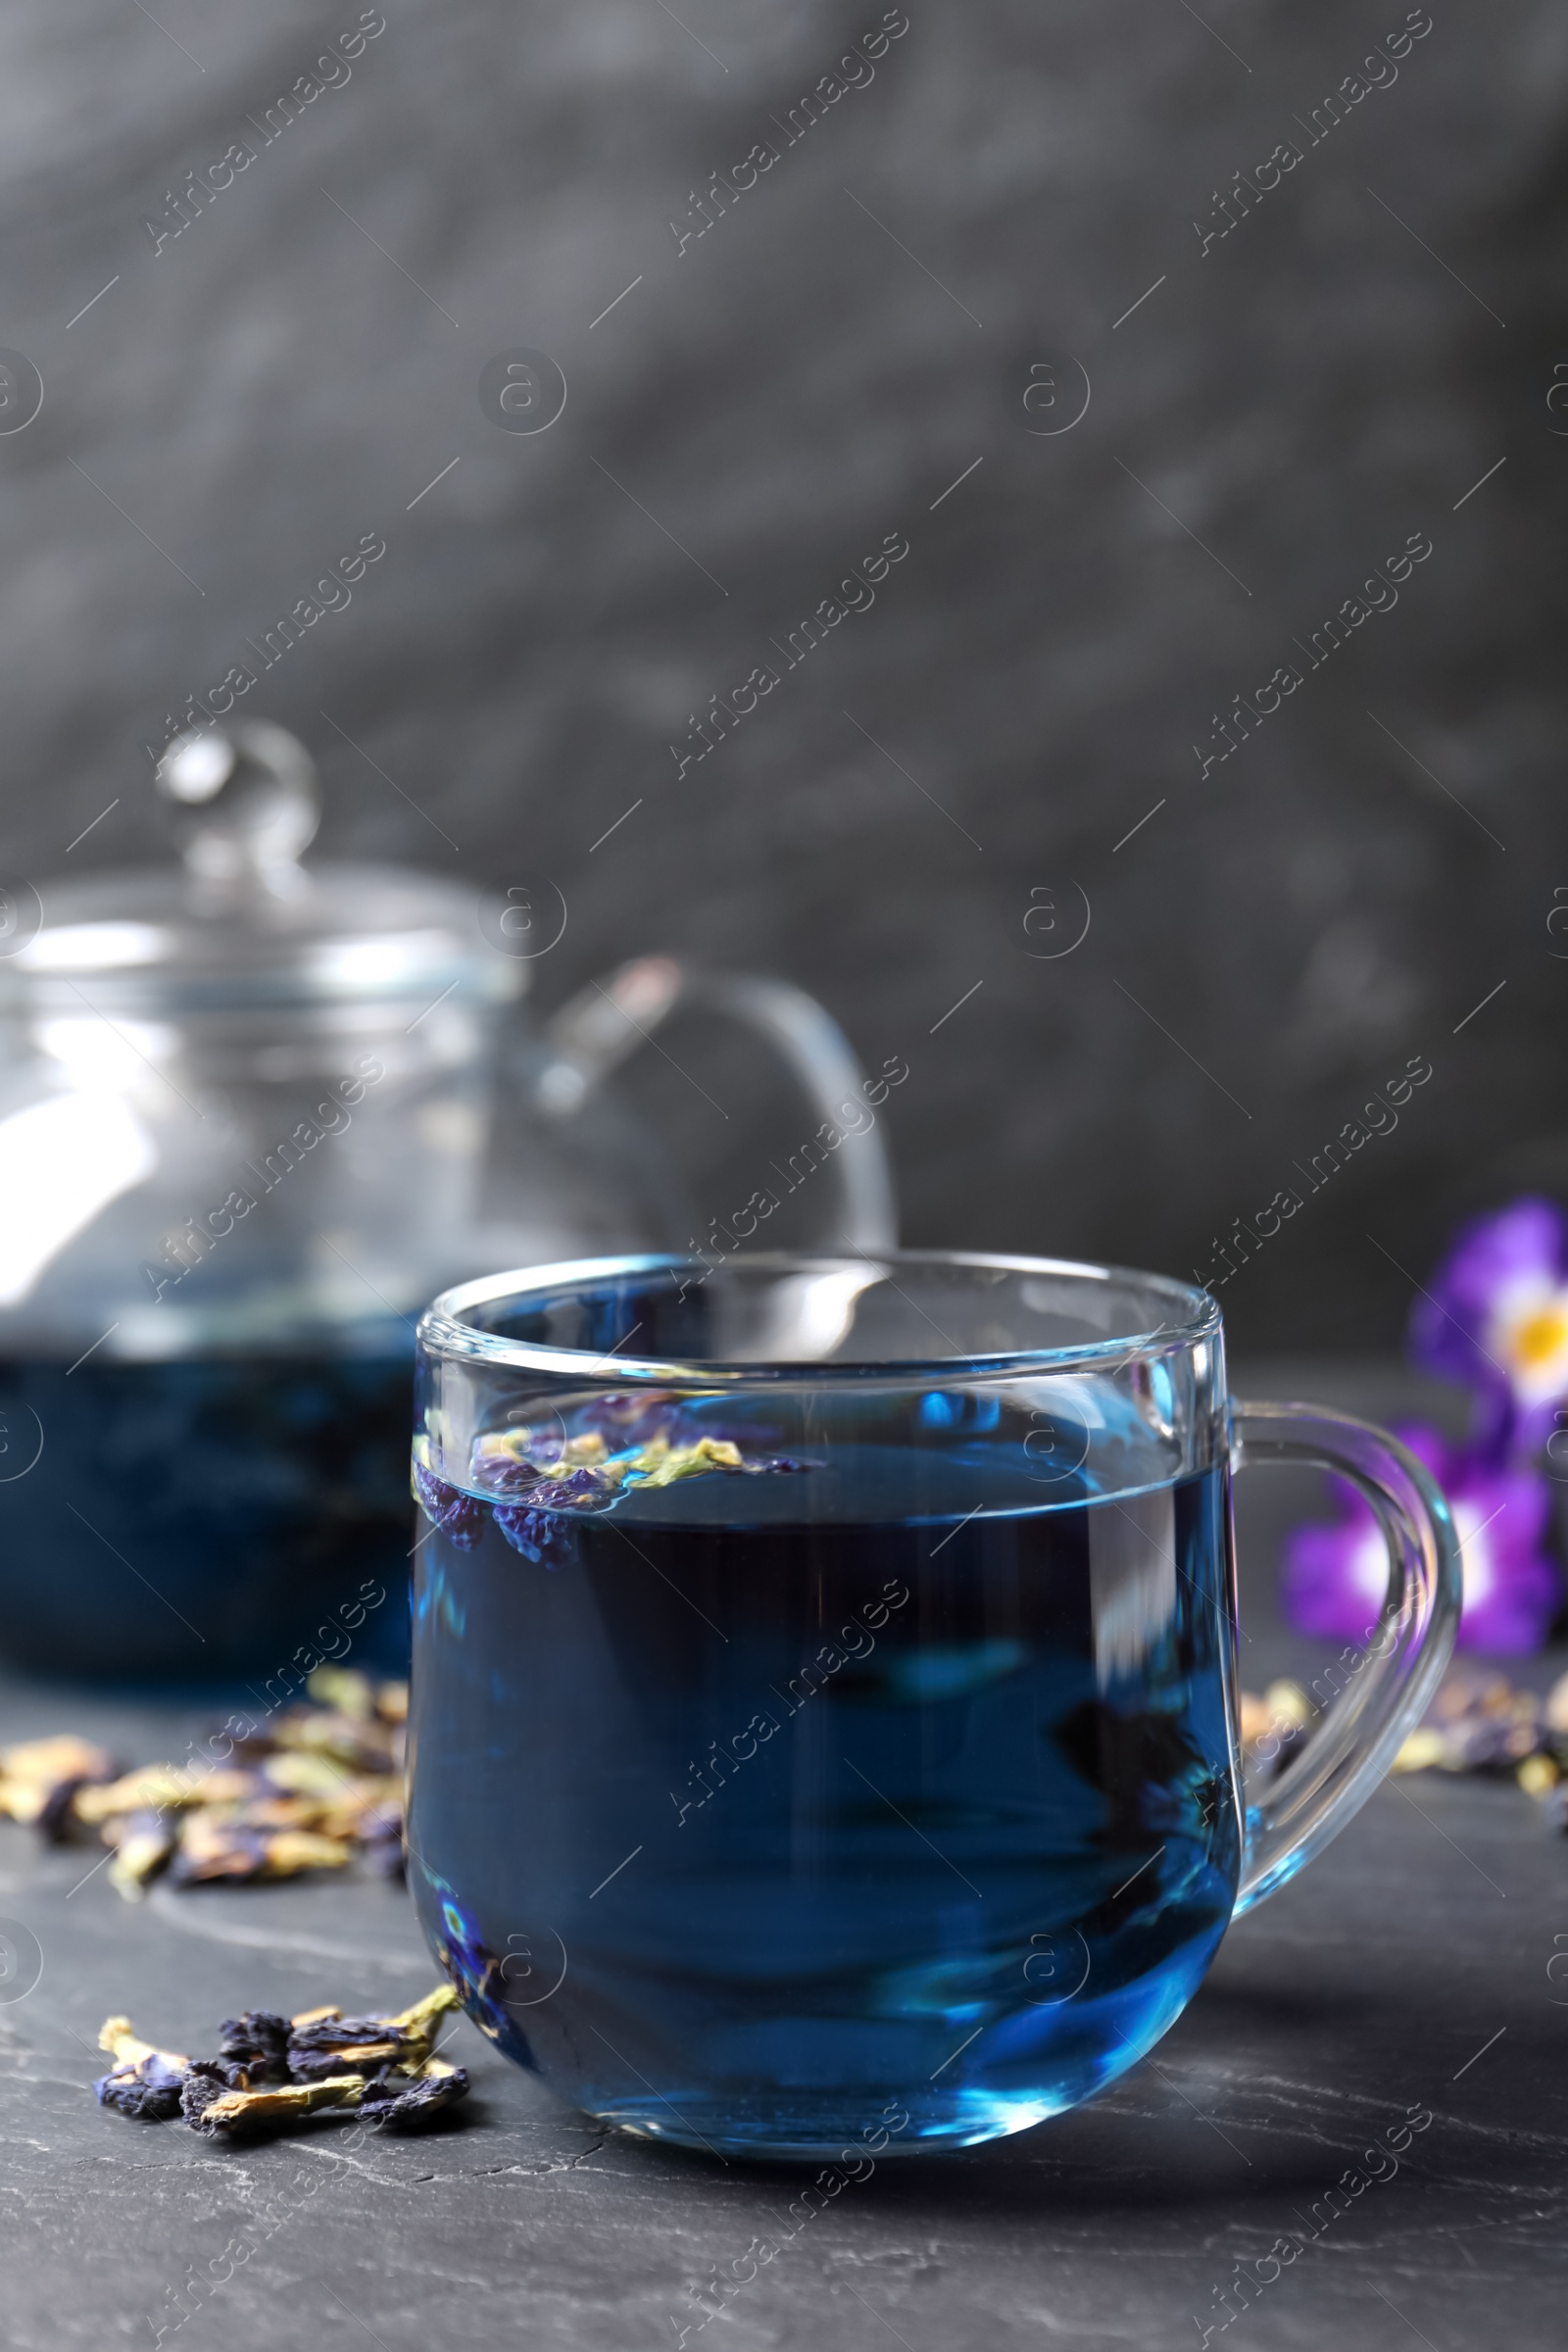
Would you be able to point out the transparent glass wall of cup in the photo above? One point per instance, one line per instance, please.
(824, 1720)
(253, 1114)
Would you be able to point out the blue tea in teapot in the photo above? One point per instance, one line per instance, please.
(252, 1116)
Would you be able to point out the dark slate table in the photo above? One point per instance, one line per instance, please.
(1407, 1970)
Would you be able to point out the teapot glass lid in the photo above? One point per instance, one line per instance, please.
(241, 921)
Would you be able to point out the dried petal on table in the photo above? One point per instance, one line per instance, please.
(144, 2082)
(213, 1846)
(1255, 1718)
(274, 2071)
(399, 2101)
(1274, 1727)
(1557, 1705)
(258, 2042)
(361, 1747)
(392, 1702)
(207, 2080)
(143, 1844)
(40, 1776)
(1423, 1749)
(345, 1691)
(424, 2017)
(162, 1788)
(280, 1813)
(353, 2045)
(367, 1808)
(324, 2044)
(382, 1846)
(324, 1781)
(304, 1775)
(212, 2110)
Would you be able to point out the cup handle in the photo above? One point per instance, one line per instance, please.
(599, 1028)
(1383, 1685)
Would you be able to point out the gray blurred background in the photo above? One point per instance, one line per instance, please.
(923, 812)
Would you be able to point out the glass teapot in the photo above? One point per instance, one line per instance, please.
(252, 1117)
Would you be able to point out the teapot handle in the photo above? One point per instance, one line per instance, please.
(608, 1021)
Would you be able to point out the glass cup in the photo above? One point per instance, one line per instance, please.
(824, 1713)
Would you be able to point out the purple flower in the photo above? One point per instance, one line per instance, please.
(539, 1525)
(148, 2088)
(1495, 1318)
(504, 1474)
(633, 1420)
(581, 1490)
(538, 1534)
(459, 1516)
(1335, 1577)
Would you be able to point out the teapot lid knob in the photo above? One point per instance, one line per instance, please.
(241, 800)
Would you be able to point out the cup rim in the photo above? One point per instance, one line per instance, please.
(443, 1330)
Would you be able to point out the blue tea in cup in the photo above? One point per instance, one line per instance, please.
(825, 1698)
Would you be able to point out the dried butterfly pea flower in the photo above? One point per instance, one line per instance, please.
(540, 1536)
(589, 1487)
(527, 1448)
(421, 2021)
(367, 1812)
(258, 2042)
(361, 1746)
(1478, 1722)
(460, 1518)
(159, 1787)
(634, 1418)
(395, 2100)
(143, 1844)
(543, 1453)
(1554, 1707)
(384, 1852)
(501, 1466)
(39, 1779)
(344, 1689)
(536, 1482)
(340, 2046)
(512, 1478)
(215, 2111)
(1274, 1727)
(143, 2083)
(333, 1774)
(207, 2080)
(295, 1772)
(321, 2044)
(661, 1464)
(282, 1813)
(337, 1802)
(582, 1489)
(57, 1818)
(399, 2101)
(383, 2064)
(213, 1847)
(539, 1526)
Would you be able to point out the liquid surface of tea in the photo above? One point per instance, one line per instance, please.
(203, 1516)
(754, 1811)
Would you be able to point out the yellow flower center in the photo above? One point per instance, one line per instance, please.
(1540, 1336)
